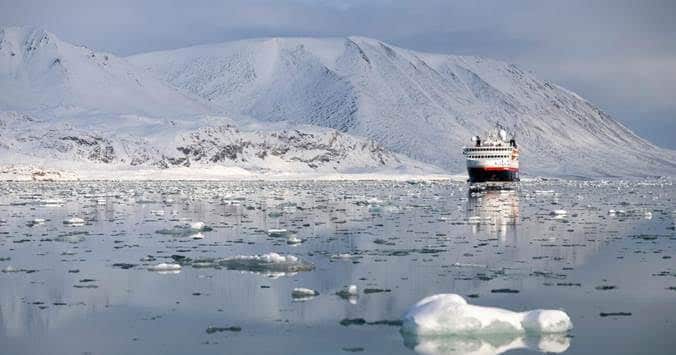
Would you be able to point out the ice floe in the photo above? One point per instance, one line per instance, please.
(293, 240)
(266, 262)
(447, 314)
(197, 226)
(278, 232)
(302, 294)
(165, 267)
(74, 221)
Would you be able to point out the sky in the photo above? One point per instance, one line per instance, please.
(618, 54)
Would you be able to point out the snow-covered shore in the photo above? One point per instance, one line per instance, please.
(215, 173)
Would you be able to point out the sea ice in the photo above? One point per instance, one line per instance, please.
(197, 226)
(277, 232)
(10, 268)
(266, 262)
(447, 314)
(293, 240)
(36, 221)
(352, 290)
(301, 293)
(165, 267)
(75, 221)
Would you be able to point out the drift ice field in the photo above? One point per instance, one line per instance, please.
(334, 267)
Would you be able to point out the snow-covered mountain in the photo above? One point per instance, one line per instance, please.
(39, 72)
(62, 104)
(199, 144)
(426, 106)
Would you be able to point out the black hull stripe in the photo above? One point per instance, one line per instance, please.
(483, 175)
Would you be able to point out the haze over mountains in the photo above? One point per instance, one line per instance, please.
(424, 106)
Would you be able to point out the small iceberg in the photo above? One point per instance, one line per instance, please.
(278, 232)
(75, 221)
(293, 240)
(36, 221)
(343, 256)
(303, 294)
(186, 230)
(165, 267)
(52, 203)
(266, 262)
(449, 314)
(197, 226)
(10, 268)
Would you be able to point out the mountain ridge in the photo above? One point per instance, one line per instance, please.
(423, 105)
(70, 104)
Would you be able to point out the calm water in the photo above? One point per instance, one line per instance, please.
(61, 292)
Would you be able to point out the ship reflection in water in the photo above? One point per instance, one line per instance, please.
(494, 210)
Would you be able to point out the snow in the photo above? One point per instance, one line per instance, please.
(165, 267)
(406, 100)
(74, 221)
(45, 73)
(197, 226)
(288, 108)
(352, 290)
(292, 239)
(448, 314)
(70, 108)
(277, 232)
(301, 293)
(266, 262)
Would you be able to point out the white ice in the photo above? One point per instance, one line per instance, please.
(75, 221)
(447, 314)
(165, 267)
(197, 226)
(303, 293)
(277, 232)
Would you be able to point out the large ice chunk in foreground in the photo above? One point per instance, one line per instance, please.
(447, 314)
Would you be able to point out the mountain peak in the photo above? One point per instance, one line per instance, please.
(424, 105)
(38, 71)
(28, 37)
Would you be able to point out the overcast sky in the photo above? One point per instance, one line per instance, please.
(621, 55)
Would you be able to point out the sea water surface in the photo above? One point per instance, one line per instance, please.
(603, 251)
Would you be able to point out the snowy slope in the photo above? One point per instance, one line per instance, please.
(426, 106)
(210, 141)
(39, 72)
(63, 105)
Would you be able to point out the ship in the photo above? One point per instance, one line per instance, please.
(494, 158)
